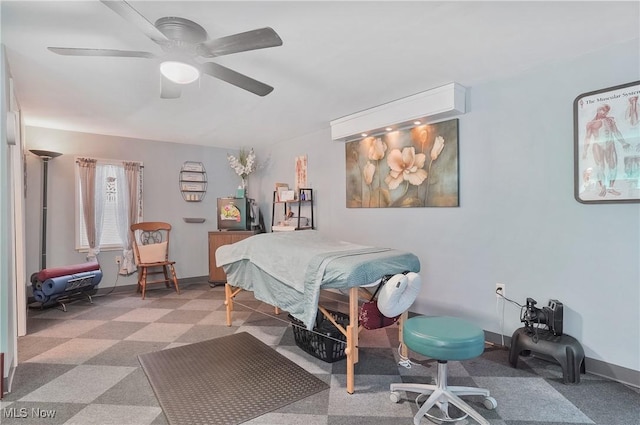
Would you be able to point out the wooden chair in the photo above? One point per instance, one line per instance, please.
(151, 250)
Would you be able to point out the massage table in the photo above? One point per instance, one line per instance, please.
(289, 269)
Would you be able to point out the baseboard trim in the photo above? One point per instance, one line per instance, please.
(621, 374)
(133, 287)
(616, 373)
(613, 372)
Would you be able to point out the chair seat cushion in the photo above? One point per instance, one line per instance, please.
(153, 252)
(443, 338)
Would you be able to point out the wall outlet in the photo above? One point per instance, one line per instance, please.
(500, 290)
(118, 259)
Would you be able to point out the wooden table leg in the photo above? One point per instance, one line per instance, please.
(352, 339)
(228, 302)
(404, 352)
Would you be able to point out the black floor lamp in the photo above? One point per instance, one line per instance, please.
(46, 156)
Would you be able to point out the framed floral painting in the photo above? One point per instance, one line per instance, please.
(416, 167)
(607, 145)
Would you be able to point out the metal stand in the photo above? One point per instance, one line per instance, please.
(71, 298)
(61, 302)
(564, 349)
(46, 157)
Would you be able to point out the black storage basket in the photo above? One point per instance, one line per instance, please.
(321, 343)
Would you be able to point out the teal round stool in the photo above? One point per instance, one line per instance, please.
(443, 338)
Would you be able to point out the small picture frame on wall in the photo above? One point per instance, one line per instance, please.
(193, 166)
(607, 145)
(192, 187)
(192, 177)
(301, 172)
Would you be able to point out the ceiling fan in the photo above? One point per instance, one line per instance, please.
(183, 41)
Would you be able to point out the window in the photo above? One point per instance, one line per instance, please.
(112, 173)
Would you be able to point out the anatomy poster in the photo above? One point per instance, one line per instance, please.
(607, 145)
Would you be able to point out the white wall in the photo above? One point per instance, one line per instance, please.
(162, 198)
(518, 222)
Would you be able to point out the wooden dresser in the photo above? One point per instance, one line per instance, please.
(217, 239)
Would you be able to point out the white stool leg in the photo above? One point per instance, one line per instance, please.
(460, 391)
(462, 405)
(414, 388)
(437, 396)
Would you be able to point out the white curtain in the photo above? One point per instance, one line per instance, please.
(127, 212)
(101, 189)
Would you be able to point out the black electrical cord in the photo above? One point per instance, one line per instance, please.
(530, 330)
(114, 283)
(499, 293)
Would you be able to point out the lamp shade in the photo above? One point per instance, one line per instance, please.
(45, 154)
(179, 72)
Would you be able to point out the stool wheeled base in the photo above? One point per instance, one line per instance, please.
(441, 395)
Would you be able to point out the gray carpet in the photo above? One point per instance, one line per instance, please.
(225, 381)
(83, 365)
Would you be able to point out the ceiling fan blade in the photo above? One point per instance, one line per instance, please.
(251, 40)
(125, 10)
(169, 89)
(72, 51)
(239, 80)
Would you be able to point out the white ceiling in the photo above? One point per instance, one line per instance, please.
(337, 58)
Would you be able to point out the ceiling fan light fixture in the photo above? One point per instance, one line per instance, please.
(179, 72)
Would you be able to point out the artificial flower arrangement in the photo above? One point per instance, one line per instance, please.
(244, 164)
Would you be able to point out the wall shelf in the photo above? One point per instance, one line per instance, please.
(193, 181)
(194, 219)
(303, 196)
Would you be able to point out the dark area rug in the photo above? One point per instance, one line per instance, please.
(225, 381)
